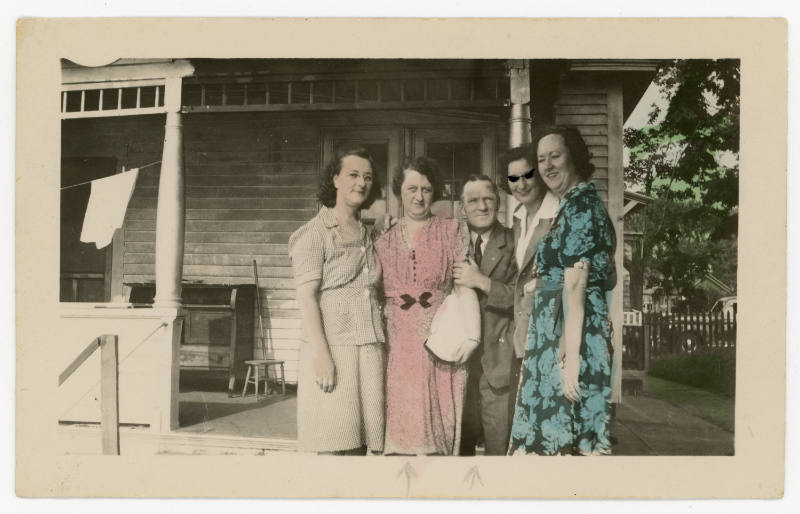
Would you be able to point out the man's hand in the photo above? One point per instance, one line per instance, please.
(467, 274)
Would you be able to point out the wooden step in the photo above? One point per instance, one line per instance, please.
(86, 440)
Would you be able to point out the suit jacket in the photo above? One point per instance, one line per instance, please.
(524, 302)
(496, 351)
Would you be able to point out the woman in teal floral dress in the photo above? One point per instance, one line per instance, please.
(563, 402)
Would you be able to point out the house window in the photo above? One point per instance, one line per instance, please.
(457, 161)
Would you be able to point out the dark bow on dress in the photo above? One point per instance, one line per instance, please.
(410, 300)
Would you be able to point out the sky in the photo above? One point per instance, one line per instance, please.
(638, 117)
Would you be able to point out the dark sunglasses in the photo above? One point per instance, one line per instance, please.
(528, 176)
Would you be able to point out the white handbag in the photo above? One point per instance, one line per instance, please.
(456, 327)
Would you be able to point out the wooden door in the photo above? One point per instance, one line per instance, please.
(460, 152)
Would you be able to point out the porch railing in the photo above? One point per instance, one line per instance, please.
(109, 387)
(659, 335)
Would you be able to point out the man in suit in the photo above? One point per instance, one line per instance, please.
(490, 271)
(532, 219)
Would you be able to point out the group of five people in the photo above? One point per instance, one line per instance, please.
(540, 379)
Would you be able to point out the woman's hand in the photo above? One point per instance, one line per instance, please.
(569, 378)
(324, 369)
(530, 286)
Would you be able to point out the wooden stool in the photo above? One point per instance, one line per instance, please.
(253, 366)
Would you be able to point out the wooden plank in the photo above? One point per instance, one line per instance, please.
(231, 214)
(595, 140)
(600, 108)
(582, 120)
(246, 168)
(237, 237)
(284, 334)
(252, 157)
(279, 303)
(211, 248)
(294, 323)
(429, 104)
(223, 226)
(592, 98)
(286, 344)
(217, 259)
(216, 271)
(300, 192)
(310, 203)
(600, 162)
(109, 394)
(266, 283)
(261, 179)
(279, 294)
(593, 130)
(599, 150)
(79, 359)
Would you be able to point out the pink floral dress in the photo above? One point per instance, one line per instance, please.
(424, 396)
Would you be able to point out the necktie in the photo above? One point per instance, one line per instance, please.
(478, 251)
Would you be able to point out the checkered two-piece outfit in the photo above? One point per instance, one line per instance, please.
(352, 415)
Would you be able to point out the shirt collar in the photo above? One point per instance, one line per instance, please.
(549, 206)
(328, 217)
(520, 211)
(484, 237)
(547, 209)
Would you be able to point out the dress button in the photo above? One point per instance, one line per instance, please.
(363, 249)
(366, 292)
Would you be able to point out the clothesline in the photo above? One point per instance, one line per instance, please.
(90, 181)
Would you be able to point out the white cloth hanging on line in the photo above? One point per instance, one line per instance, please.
(107, 205)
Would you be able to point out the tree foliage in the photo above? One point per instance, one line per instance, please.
(686, 158)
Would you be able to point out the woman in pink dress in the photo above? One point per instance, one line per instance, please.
(424, 396)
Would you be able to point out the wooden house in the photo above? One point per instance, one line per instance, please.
(229, 152)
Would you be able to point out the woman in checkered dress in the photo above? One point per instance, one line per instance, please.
(340, 407)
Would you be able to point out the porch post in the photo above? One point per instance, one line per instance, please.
(519, 130)
(170, 210)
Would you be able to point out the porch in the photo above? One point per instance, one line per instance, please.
(211, 423)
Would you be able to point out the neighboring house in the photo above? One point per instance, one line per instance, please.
(655, 299)
(242, 141)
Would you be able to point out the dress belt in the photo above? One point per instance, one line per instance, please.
(410, 299)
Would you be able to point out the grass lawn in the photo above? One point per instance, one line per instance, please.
(716, 408)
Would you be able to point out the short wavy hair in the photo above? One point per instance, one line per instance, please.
(578, 151)
(480, 177)
(327, 191)
(424, 166)
(526, 152)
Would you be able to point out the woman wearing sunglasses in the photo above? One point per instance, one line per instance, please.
(532, 217)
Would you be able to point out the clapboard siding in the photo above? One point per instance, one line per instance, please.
(586, 107)
(228, 214)
(249, 183)
(144, 202)
(201, 248)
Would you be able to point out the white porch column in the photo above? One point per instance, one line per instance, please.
(519, 130)
(171, 202)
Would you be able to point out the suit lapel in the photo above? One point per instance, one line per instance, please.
(491, 256)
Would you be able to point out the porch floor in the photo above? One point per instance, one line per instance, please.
(645, 424)
(205, 408)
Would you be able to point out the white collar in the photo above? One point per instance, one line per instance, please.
(547, 209)
(484, 237)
